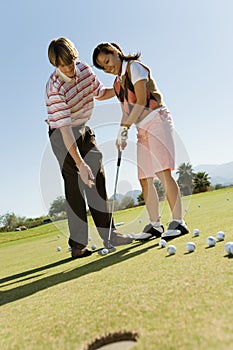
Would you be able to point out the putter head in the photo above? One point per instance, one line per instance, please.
(112, 249)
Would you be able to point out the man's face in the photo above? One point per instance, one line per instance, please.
(68, 70)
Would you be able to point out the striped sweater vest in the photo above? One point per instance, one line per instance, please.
(125, 93)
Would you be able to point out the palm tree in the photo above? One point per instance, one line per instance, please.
(159, 188)
(58, 206)
(201, 182)
(185, 179)
(140, 199)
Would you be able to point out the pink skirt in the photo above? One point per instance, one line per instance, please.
(155, 144)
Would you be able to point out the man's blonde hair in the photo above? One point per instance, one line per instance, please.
(62, 49)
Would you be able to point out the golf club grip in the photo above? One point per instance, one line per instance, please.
(119, 158)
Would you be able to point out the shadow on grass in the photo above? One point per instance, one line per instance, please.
(169, 255)
(229, 256)
(38, 269)
(24, 291)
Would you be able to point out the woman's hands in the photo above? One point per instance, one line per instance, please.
(122, 137)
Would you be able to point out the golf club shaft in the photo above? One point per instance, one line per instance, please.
(117, 173)
(114, 194)
(119, 158)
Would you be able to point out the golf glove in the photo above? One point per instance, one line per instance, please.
(122, 135)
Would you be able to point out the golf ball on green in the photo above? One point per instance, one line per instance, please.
(162, 243)
(211, 241)
(220, 235)
(196, 232)
(190, 247)
(171, 249)
(229, 248)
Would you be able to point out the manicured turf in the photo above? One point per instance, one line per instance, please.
(49, 301)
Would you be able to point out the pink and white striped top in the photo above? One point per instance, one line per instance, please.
(70, 101)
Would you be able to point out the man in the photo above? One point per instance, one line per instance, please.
(70, 93)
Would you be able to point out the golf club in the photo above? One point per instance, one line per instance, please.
(114, 196)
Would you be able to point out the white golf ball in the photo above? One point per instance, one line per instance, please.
(220, 235)
(162, 243)
(58, 249)
(196, 232)
(211, 241)
(69, 249)
(93, 246)
(58, 236)
(140, 221)
(171, 249)
(190, 247)
(229, 248)
(89, 239)
(104, 251)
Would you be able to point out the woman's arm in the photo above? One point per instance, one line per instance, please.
(109, 93)
(140, 92)
(127, 121)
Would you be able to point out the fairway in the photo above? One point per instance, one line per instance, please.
(178, 302)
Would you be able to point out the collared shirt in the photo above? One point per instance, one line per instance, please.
(138, 72)
(123, 68)
(70, 101)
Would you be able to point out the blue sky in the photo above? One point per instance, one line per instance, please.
(188, 46)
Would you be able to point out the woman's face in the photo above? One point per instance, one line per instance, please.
(111, 63)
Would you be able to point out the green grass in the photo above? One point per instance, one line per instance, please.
(174, 302)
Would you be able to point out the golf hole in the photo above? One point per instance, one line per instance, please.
(114, 341)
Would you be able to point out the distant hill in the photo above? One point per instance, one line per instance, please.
(118, 197)
(219, 173)
(133, 194)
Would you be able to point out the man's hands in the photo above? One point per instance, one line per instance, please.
(71, 145)
(122, 137)
(86, 174)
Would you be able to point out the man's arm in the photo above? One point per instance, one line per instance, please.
(71, 145)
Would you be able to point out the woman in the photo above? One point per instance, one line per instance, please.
(143, 105)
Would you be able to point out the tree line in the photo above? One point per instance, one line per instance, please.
(188, 181)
